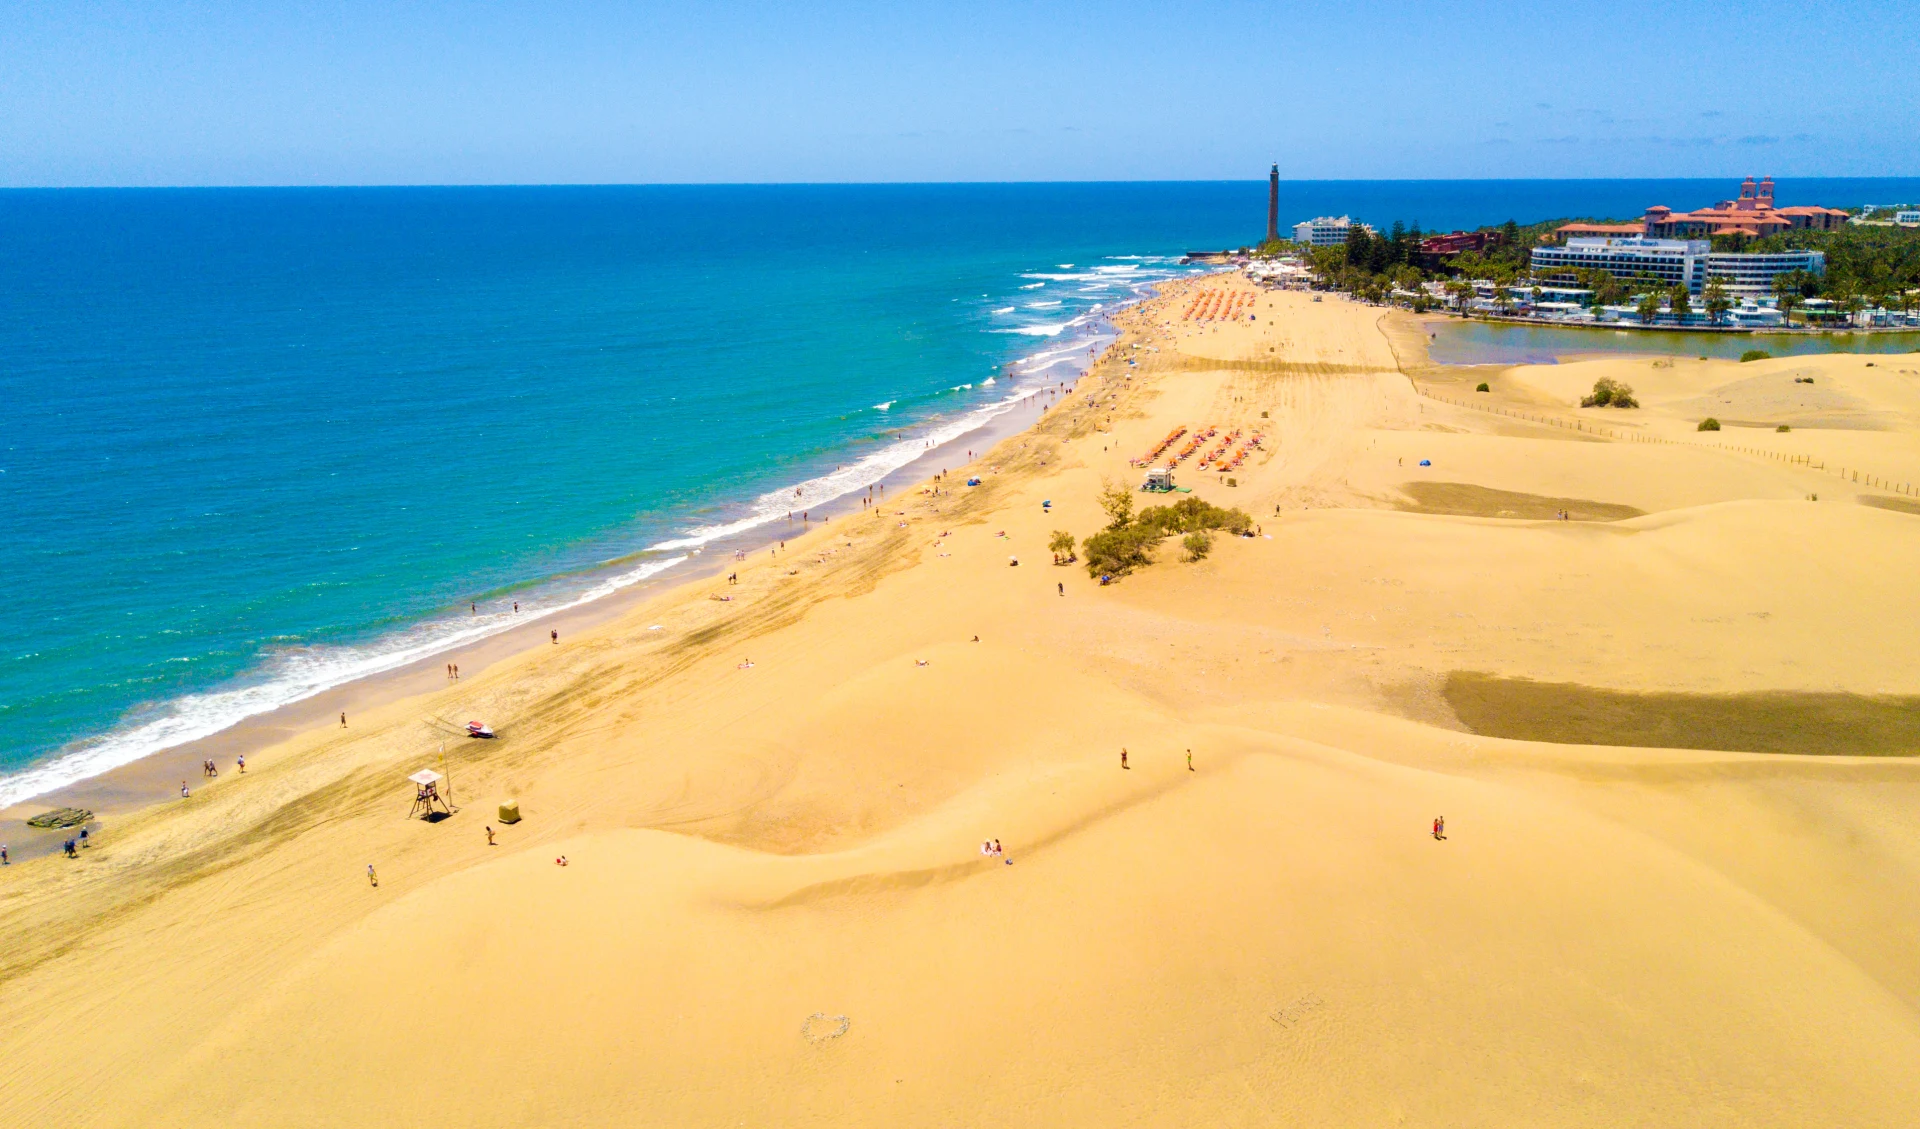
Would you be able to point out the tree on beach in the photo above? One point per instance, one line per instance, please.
(1117, 501)
(1062, 546)
(1119, 549)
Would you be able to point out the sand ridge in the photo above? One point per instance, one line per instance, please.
(1606, 936)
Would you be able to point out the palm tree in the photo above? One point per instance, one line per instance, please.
(1649, 307)
(1786, 291)
(1717, 301)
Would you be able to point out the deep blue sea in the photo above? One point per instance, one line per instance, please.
(256, 443)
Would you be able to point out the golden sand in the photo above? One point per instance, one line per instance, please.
(775, 909)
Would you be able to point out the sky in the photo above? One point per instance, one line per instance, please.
(107, 92)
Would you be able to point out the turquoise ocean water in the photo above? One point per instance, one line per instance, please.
(258, 443)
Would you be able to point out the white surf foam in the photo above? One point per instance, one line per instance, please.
(296, 676)
(287, 678)
(775, 505)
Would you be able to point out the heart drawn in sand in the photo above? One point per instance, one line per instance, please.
(819, 1027)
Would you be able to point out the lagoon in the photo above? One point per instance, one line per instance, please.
(1455, 342)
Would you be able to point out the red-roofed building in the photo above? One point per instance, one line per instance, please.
(1568, 231)
(1752, 215)
(1434, 248)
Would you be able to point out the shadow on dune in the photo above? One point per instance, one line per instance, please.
(1770, 721)
(1464, 499)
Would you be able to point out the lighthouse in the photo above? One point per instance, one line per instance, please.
(1273, 204)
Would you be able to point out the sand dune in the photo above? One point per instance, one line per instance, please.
(775, 909)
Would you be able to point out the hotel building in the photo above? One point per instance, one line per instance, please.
(1746, 275)
(1671, 261)
(1752, 215)
(1326, 231)
(1682, 261)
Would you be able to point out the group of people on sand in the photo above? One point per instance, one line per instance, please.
(210, 769)
(453, 672)
(993, 850)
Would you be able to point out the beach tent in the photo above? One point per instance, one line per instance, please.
(427, 799)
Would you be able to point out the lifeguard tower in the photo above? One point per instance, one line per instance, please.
(428, 803)
(1159, 480)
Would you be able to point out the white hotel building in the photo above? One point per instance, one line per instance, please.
(1325, 231)
(1689, 261)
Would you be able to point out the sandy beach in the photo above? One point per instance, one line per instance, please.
(1658, 681)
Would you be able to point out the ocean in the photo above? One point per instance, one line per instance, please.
(258, 443)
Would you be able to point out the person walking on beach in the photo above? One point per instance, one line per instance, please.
(1123, 758)
(183, 790)
(1063, 588)
(4, 860)
(372, 878)
(83, 839)
(1189, 760)
(343, 719)
(1440, 827)
(241, 764)
(489, 835)
(556, 637)
(71, 853)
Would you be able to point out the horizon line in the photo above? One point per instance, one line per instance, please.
(892, 183)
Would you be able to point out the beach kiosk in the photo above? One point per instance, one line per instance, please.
(1159, 480)
(427, 800)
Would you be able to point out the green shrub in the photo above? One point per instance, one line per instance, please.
(1061, 545)
(1610, 393)
(1754, 355)
(1119, 549)
(1190, 515)
(1483, 387)
(1197, 544)
(1783, 427)
(1233, 482)
(1708, 424)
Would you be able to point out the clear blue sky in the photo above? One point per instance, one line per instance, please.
(407, 91)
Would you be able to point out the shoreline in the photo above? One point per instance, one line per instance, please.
(153, 778)
(774, 808)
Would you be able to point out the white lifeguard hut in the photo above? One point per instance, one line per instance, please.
(427, 798)
(1159, 480)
